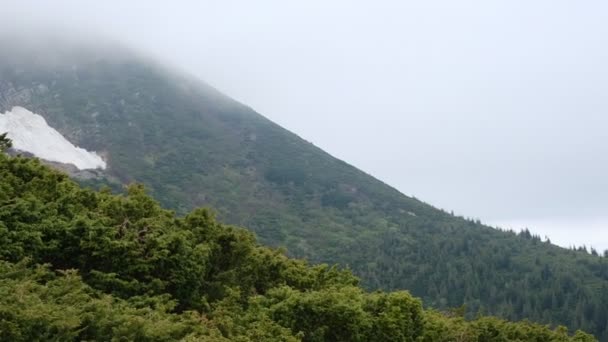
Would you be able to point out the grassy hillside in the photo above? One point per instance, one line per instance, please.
(82, 265)
(192, 146)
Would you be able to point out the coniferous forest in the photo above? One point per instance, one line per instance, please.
(77, 264)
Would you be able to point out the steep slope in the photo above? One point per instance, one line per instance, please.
(121, 268)
(193, 146)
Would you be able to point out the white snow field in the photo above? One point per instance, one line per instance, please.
(30, 133)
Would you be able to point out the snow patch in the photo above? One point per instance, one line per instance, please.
(30, 133)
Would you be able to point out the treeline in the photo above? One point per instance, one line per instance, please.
(76, 264)
(525, 233)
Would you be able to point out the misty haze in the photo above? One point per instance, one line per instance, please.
(453, 149)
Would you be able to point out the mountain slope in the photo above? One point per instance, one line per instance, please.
(79, 265)
(193, 146)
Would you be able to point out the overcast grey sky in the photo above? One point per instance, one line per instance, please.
(497, 110)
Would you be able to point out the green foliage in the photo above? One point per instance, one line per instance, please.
(192, 146)
(441, 328)
(77, 264)
(39, 305)
(5, 142)
(360, 316)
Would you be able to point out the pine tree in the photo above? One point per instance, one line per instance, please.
(5, 142)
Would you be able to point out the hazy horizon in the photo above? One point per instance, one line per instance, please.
(495, 110)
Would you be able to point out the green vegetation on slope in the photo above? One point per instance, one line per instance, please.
(76, 264)
(192, 146)
(5, 142)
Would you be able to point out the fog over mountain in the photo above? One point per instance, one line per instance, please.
(492, 109)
